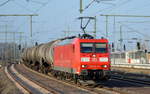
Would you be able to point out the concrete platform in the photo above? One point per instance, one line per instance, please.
(143, 69)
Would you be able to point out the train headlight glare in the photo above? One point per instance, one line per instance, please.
(104, 66)
(83, 66)
(103, 59)
(85, 59)
(94, 55)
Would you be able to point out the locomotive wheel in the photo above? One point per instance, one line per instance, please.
(55, 74)
(75, 78)
(61, 76)
(65, 76)
(44, 71)
(75, 81)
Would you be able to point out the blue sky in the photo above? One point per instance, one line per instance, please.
(57, 16)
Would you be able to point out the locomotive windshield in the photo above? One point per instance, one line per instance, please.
(100, 48)
(86, 47)
(93, 47)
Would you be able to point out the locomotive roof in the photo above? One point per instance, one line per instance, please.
(91, 40)
(72, 41)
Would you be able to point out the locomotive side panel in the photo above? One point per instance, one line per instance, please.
(63, 58)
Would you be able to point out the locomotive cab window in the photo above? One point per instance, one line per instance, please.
(86, 47)
(93, 48)
(100, 47)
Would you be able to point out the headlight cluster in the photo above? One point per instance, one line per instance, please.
(104, 66)
(83, 66)
(103, 59)
(85, 59)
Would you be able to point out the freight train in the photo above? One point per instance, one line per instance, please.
(82, 58)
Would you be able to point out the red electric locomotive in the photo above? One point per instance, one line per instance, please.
(85, 59)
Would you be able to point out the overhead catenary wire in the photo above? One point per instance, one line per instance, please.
(42, 4)
(35, 1)
(134, 22)
(109, 3)
(22, 6)
(114, 6)
(87, 6)
(4, 3)
(133, 30)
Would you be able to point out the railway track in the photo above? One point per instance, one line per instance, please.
(128, 85)
(24, 84)
(19, 86)
(65, 87)
(132, 80)
(55, 86)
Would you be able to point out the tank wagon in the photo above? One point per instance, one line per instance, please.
(80, 59)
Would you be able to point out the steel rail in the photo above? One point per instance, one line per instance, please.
(32, 87)
(20, 86)
(131, 80)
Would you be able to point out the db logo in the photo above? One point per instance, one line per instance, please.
(94, 59)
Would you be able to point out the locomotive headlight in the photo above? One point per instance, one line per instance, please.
(85, 59)
(103, 59)
(104, 66)
(83, 66)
